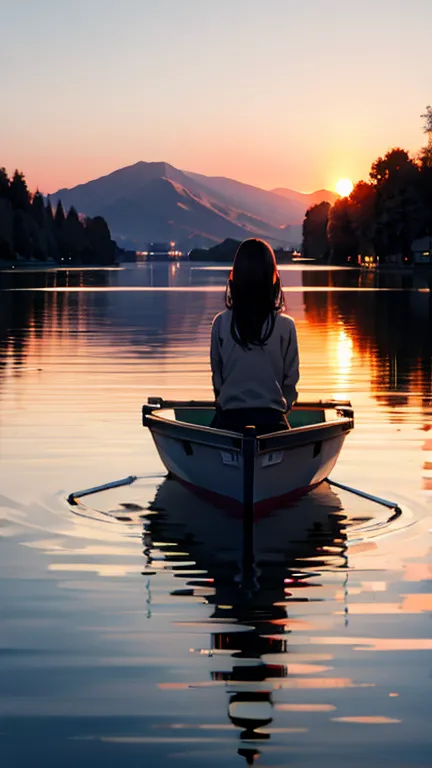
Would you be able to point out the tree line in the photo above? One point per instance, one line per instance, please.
(31, 229)
(382, 217)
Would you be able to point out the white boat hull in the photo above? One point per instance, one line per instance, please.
(277, 474)
(215, 463)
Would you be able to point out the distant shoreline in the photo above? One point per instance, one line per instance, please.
(52, 266)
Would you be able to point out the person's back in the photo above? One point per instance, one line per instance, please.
(254, 353)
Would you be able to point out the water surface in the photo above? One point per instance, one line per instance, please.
(125, 636)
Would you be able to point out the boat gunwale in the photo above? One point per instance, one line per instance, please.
(160, 403)
(286, 439)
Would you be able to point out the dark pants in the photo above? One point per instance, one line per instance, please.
(265, 420)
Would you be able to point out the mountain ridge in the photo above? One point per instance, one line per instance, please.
(311, 198)
(155, 201)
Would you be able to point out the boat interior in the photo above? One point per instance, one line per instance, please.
(298, 417)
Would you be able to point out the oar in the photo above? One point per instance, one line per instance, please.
(369, 496)
(71, 499)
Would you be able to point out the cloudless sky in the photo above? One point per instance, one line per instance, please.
(293, 93)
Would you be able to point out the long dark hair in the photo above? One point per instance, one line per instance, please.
(254, 293)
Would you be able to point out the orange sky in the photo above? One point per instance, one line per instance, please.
(272, 94)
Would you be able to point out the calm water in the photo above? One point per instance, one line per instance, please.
(125, 637)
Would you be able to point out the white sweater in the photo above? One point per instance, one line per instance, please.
(259, 377)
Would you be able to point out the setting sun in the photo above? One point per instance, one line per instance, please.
(344, 187)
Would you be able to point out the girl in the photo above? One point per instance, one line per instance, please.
(254, 354)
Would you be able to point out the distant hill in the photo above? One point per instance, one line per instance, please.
(157, 202)
(307, 198)
(259, 202)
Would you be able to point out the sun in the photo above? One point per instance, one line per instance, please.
(344, 187)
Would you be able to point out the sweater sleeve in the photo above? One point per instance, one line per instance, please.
(215, 357)
(291, 368)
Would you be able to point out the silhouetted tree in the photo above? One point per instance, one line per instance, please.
(59, 217)
(23, 239)
(18, 192)
(393, 167)
(399, 209)
(426, 195)
(38, 209)
(29, 228)
(4, 183)
(60, 233)
(102, 248)
(49, 210)
(341, 237)
(75, 236)
(7, 250)
(362, 215)
(427, 117)
(383, 217)
(425, 164)
(315, 243)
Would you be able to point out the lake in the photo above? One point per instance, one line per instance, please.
(125, 638)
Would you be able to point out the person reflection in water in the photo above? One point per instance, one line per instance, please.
(254, 353)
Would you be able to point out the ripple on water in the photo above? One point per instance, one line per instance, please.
(125, 616)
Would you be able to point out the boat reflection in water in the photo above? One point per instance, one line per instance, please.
(288, 544)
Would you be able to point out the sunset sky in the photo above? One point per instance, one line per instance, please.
(277, 93)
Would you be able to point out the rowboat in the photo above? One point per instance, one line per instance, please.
(238, 471)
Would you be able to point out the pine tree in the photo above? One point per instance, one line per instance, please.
(59, 217)
(38, 209)
(49, 211)
(73, 216)
(75, 236)
(4, 183)
(18, 192)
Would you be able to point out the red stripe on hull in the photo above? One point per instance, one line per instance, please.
(235, 508)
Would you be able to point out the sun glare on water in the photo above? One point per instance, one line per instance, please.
(344, 187)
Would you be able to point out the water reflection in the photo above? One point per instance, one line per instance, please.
(391, 333)
(32, 314)
(205, 670)
(386, 331)
(30, 318)
(256, 638)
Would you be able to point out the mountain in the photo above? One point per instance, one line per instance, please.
(259, 202)
(307, 198)
(164, 210)
(157, 202)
